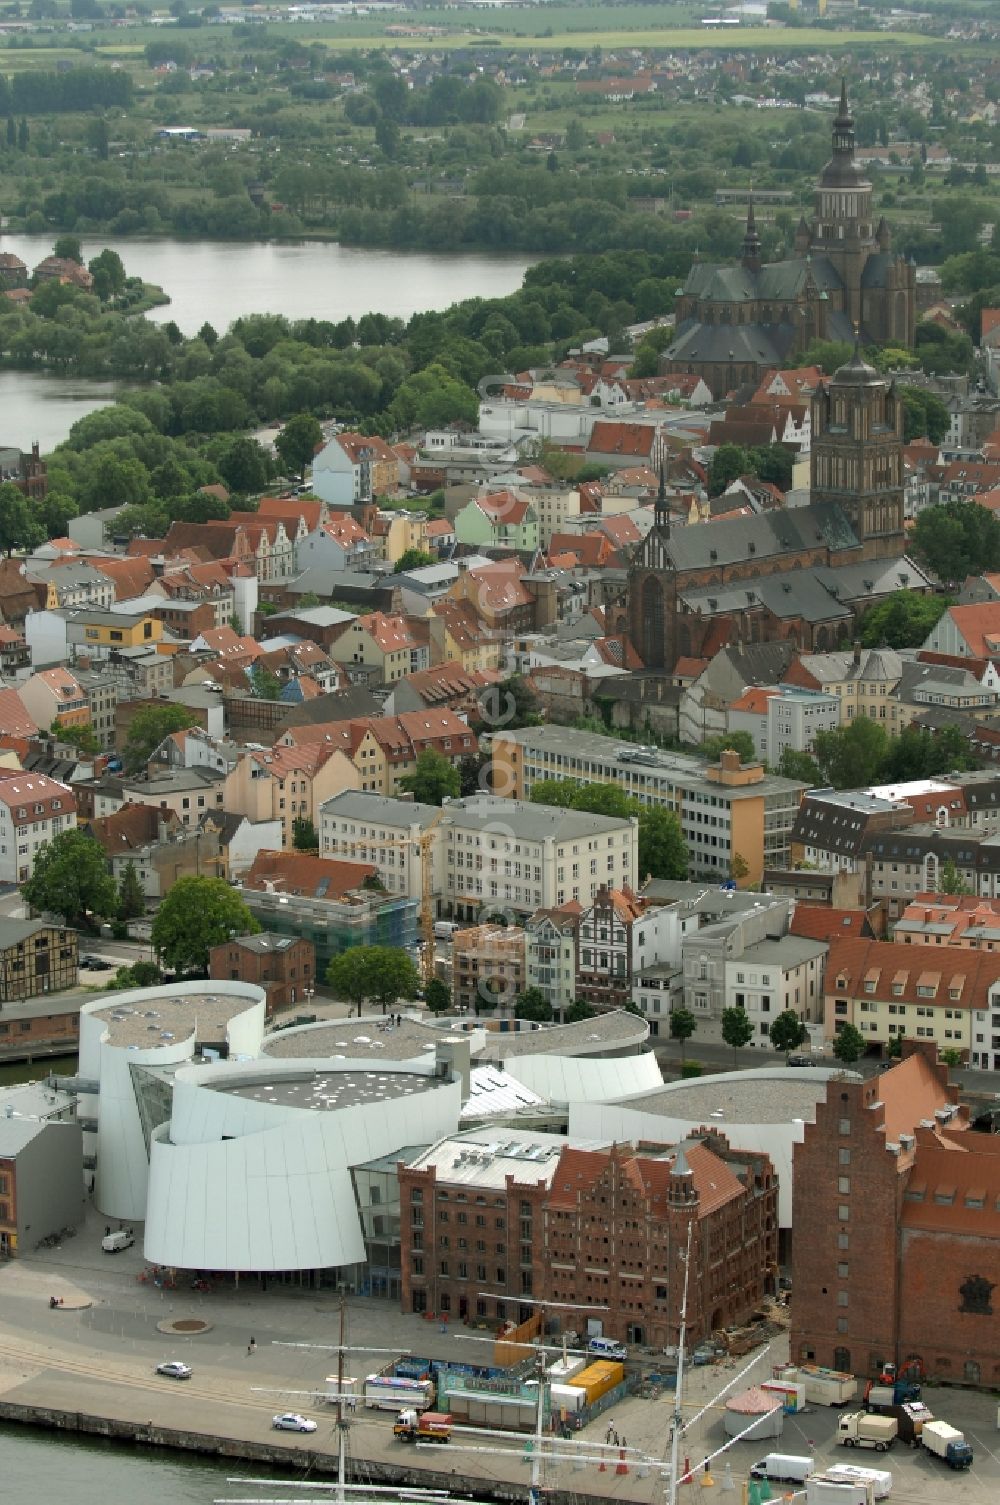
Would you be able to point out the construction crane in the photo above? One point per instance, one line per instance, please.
(424, 843)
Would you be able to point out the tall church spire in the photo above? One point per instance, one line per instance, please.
(751, 240)
(661, 511)
(843, 129)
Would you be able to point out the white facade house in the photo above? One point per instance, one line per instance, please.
(46, 636)
(783, 717)
(484, 852)
(985, 1052)
(776, 975)
(33, 809)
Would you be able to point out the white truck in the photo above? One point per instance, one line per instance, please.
(946, 1442)
(114, 1243)
(822, 1490)
(823, 1387)
(859, 1430)
(783, 1468)
(879, 1479)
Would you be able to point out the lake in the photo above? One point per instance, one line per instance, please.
(218, 281)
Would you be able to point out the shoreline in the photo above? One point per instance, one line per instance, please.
(308, 1460)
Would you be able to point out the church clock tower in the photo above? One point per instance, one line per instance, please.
(856, 459)
(652, 592)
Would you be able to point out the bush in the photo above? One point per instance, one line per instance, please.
(119, 930)
(691, 1068)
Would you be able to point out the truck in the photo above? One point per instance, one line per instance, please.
(822, 1490)
(910, 1418)
(946, 1442)
(879, 1480)
(893, 1393)
(783, 1468)
(422, 1426)
(859, 1429)
(823, 1387)
(114, 1243)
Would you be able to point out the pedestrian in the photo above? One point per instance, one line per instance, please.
(252, 1346)
(610, 1432)
(624, 1444)
(614, 1438)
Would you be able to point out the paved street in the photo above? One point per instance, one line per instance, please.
(101, 1360)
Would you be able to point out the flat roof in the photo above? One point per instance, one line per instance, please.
(323, 1091)
(164, 1017)
(768, 1097)
(587, 1037)
(486, 1157)
(354, 1039)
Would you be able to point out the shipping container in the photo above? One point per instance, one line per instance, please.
(568, 1398)
(823, 1387)
(598, 1378)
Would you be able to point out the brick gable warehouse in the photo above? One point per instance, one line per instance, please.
(590, 1227)
(897, 1230)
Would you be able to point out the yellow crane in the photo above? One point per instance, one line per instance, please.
(424, 842)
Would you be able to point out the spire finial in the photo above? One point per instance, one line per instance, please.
(844, 107)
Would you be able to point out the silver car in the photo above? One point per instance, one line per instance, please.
(175, 1370)
(291, 1421)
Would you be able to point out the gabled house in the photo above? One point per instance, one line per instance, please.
(382, 645)
(498, 520)
(354, 468)
(340, 543)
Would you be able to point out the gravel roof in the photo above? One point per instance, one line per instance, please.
(773, 1097)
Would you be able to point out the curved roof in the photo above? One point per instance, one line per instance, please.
(371, 1038)
(765, 1095)
(565, 1079)
(618, 1031)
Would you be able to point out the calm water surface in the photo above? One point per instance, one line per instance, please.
(218, 281)
(46, 1466)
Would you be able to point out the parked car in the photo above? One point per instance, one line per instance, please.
(175, 1370)
(799, 1061)
(94, 964)
(291, 1421)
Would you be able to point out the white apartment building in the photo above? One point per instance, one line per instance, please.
(485, 852)
(783, 717)
(985, 1051)
(33, 809)
(550, 955)
(774, 975)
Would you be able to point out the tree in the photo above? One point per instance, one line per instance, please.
(20, 525)
(71, 879)
(244, 466)
(682, 1026)
(924, 415)
(737, 1030)
(195, 915)
(470, 773)
(662, 851)
(380, 973)
(950, 1057)
(739, 868)
(713, 747)
(298, 441)
(848, 1044)
(533, 1004)
(80, 737)
(265, 683)
(729, 462)
(437, 996)
(433, 780)
(411, 559)
(799, 765)
(147, 729)
(787, 1030)
(578, 1012)
(67, 248)
(508, 706)
(109, 266)
(950, 880)
(304, 837)
(902, 620)
(957, 539)
(850, 757)
(131, 899)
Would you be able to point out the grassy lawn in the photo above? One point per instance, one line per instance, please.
(616, 36)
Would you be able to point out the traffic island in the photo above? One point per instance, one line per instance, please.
(185, 1327)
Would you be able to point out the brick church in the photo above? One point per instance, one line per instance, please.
(736, 322)
(786, 573)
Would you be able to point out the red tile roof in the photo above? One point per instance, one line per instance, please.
(33, 797)
(821, 923)
(298, 873)
(608, 438)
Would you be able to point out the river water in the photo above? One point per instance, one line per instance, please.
(217, 281)
(40, 1465)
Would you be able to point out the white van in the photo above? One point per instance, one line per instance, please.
(114, 1243)
(444, 929)
(785, 1468)
(607, 1348)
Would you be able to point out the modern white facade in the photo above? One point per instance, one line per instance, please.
(776, 975)
(784, 718)
(253, 1171)
(131, 1043)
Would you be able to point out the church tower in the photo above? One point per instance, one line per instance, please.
(652, 591)
(856, 460)
(843, 229)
